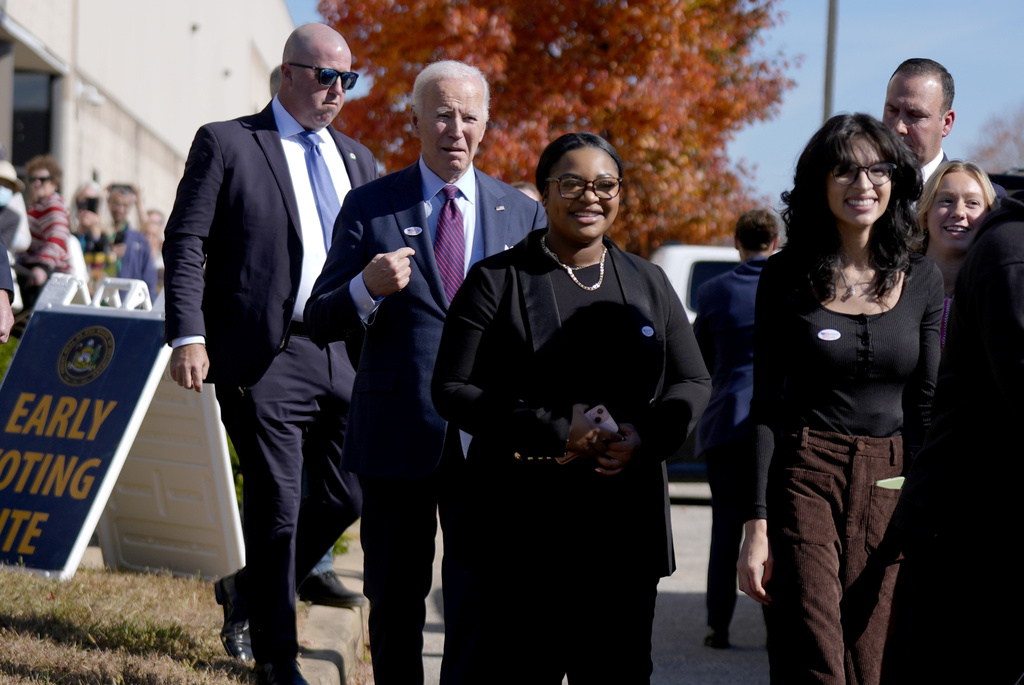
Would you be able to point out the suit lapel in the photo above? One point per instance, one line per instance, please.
(269, 140)
(348, 156)
(407, 206)
(491, 215)
(645, 324)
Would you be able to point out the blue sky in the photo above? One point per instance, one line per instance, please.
(979, 42)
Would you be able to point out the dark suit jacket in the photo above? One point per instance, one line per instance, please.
(505, 375)
(393, 428)
(236, 212)
(725, 332)
(6, 279)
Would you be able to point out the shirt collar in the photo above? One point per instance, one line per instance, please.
(929, 168)
(288, 127)
(432, 183)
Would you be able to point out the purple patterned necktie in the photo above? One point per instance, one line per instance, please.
(450, 243)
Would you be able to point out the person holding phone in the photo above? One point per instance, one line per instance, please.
(93, 234)
(536, 338)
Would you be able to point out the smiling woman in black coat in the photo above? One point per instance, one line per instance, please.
(571, 516)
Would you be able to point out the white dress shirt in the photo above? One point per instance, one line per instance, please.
(314, 252)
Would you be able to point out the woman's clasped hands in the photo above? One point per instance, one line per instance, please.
(613, 451)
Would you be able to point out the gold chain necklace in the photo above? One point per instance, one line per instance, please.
(570, 268)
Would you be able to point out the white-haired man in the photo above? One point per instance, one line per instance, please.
(403, 244)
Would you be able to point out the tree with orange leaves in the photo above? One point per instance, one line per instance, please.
(667, 82)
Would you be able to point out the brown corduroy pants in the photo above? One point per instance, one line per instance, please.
(835, 567)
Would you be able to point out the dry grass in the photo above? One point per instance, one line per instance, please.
(107, 628)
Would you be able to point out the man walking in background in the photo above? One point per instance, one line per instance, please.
(725, 332)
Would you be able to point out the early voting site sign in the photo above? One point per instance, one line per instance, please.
(70, 405)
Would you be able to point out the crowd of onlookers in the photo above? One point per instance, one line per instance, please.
(95, 233)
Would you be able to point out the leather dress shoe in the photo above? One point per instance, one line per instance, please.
(326, 590)
(281, 673)
(235, 633)
(717, 639)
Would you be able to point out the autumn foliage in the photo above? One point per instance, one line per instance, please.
(665, 81)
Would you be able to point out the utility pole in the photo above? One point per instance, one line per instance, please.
(830, 56)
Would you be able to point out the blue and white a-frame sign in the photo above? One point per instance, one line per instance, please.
(77, 393)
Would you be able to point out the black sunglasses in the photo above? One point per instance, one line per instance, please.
(326, 77)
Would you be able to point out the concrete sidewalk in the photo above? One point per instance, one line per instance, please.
(333, 639)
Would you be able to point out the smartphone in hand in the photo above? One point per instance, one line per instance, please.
(599, 415)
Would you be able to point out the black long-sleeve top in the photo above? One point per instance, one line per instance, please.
(862, 374)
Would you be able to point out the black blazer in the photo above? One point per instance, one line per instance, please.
(497, 370)
(236, 215)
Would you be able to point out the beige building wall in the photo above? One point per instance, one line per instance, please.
(139, 77)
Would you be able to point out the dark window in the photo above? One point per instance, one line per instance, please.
(33, 112)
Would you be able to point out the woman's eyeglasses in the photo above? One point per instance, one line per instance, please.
(573, 187)
(879, 174)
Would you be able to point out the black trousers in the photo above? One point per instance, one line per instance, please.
(593, 626)
(398, 528)
(730, 487)
(294, 415)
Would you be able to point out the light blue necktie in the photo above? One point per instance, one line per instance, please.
(327, 204)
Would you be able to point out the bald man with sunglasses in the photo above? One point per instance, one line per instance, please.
(248, 235)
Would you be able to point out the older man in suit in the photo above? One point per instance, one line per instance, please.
(246, 239)
(403, 244)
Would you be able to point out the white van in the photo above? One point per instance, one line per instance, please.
(689, 266)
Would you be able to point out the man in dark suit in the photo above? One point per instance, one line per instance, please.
(725, 332)
(382, 274)
(919, 107)
(246, 239)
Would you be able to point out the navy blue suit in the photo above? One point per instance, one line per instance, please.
(396, 438)
(725, 332)
(233, 261)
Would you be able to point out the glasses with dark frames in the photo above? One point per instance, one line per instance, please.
(879, 173)
(326, 77)
(573, 187)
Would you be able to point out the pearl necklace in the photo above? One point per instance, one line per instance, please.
(570, 268)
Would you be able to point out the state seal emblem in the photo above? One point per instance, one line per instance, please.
(85, 356)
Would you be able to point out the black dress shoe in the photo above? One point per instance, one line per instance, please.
(717, 639)
(235, 633)
(326, 590)
(281, 673)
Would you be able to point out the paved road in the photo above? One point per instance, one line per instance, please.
(680, 658)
